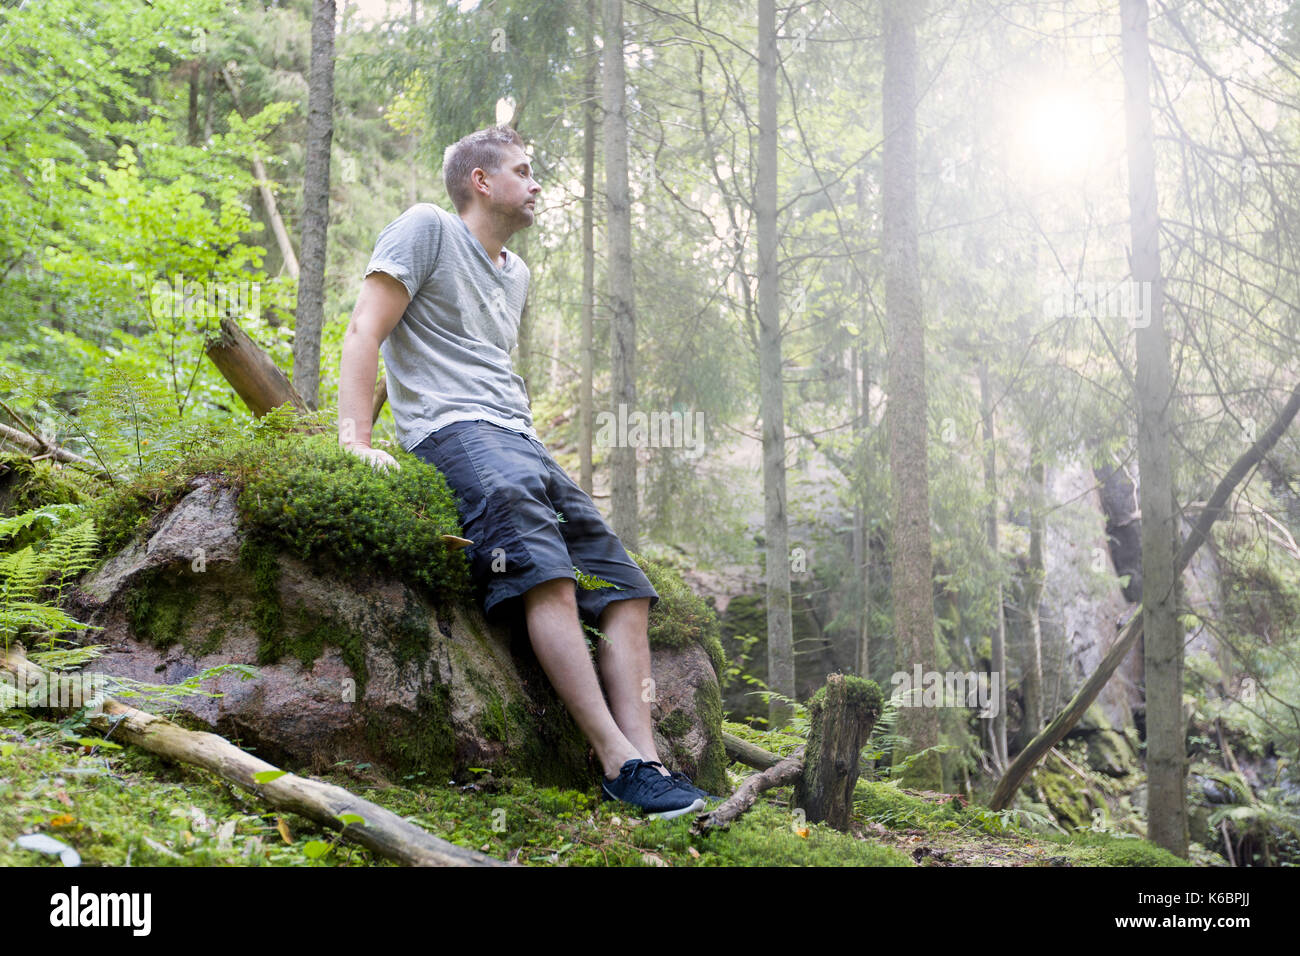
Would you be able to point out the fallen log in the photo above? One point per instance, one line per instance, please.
(264, 189)
(255, 377)
(751, 755)
(729, 810)
(382, 832)
(22, 440)
(1052, 734)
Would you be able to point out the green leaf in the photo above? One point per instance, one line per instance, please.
(266, 776)
(347, 818)
(315, 849)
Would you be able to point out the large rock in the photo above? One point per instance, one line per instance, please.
(353, 666)
(1084, 606)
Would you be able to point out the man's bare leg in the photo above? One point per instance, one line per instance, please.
(551, 609)
(625, 670)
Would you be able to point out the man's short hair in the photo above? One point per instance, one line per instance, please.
(484, 150)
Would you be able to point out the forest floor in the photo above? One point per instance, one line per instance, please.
(122, 806)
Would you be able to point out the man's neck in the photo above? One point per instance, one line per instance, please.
(486, 232)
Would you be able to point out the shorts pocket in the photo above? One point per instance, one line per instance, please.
(498, 548)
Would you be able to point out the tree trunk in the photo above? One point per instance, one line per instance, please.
(780, 627)
(1163, 663)
(1032, 662)
(861, 530)
(197, 69)
(413, 157)
(586, 408)
(623, 491)
(862, 507)
(526, 364)
(209, 81)
(999, 635)
(310, 314)
(908, 454)
(378, 399)
(263, 187)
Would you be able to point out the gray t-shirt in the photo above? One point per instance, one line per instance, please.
(448, 358)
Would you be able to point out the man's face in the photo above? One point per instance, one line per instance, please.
(514, 191)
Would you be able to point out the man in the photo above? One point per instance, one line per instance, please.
(442, 298)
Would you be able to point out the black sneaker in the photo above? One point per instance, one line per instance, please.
(641, 785)
(684, 782)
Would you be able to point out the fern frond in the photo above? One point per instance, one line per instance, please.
(52, 514)
(71, 552)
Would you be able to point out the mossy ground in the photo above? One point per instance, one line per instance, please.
(120, 806)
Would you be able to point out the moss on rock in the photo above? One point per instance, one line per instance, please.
(675, 724)
(681, 616)
(711, 771)
(1067, 801)
(307, 497)
(426, 744)
(158, 608)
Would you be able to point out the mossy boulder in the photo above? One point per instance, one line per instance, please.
(301, 566)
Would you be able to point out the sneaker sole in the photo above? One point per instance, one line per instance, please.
(695, 807)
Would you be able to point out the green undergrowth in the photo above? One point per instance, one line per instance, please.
(945, 820)
(26, 485)
(116, 807)
(120, 806)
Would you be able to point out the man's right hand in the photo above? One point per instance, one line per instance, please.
(379, 308)
(377, 458)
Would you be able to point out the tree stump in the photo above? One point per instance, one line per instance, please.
(842, 715)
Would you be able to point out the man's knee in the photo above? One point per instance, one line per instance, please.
(632, 607)
(555, 591)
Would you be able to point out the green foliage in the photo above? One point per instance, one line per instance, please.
(132, 808)
(32, 578)
(27, 485)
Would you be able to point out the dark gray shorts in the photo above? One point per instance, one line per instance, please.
(527, 518)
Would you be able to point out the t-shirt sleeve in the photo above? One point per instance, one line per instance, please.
(407, 247)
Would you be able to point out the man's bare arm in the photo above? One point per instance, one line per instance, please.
(379, 308)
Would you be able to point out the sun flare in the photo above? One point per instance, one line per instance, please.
(1061, 132)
